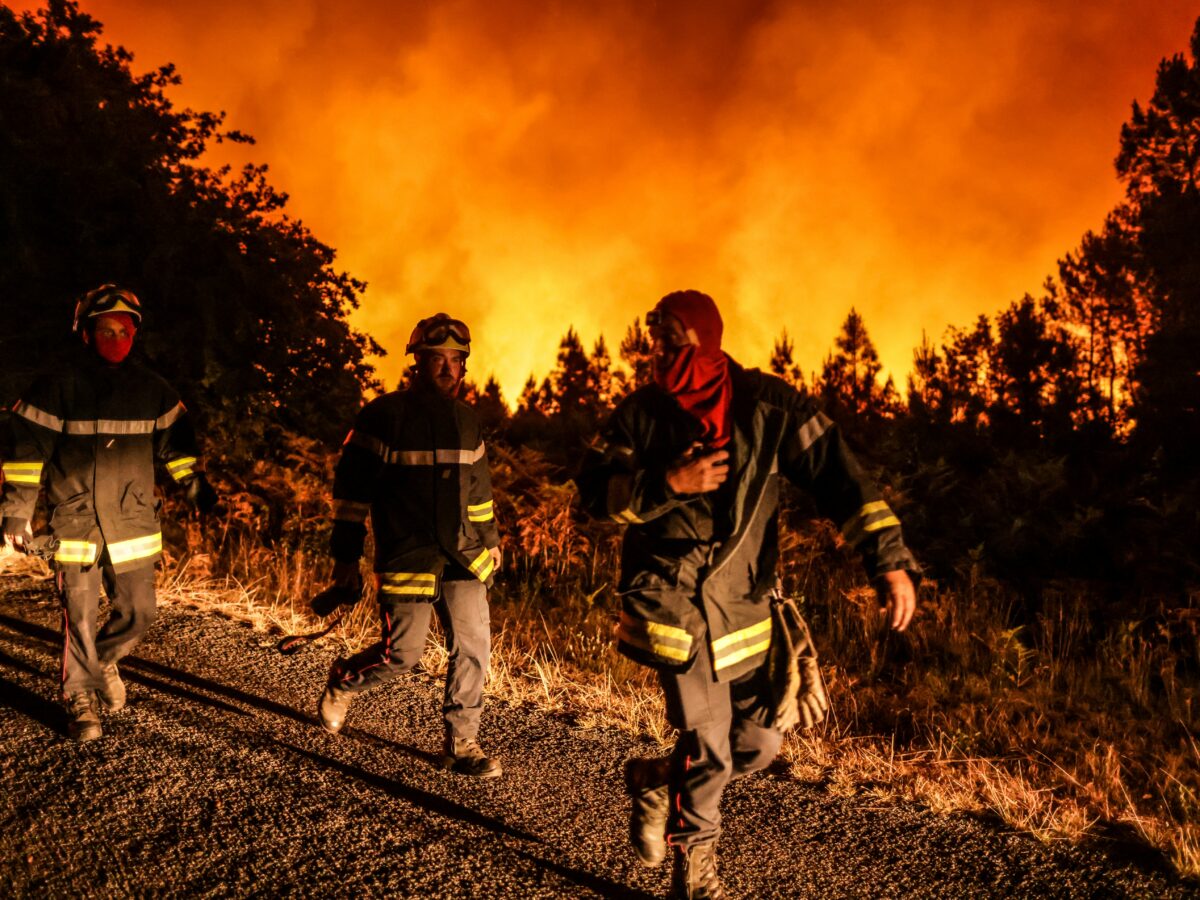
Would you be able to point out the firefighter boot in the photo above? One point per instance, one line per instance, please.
(466, 757)
(83, 721)
(112, 689)
(646, 785)
(332, 707)
(695, 874)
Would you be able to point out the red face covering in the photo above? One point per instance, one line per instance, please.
(699, 376)
(114, 350)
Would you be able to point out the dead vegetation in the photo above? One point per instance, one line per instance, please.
(1057, 715)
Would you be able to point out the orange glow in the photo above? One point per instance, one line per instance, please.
(529, 166)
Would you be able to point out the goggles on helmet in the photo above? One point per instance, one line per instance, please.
(106, 299)
(438, 330)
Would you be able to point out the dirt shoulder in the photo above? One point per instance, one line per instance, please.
(216, 781)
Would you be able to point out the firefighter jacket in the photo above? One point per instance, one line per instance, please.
(701, 567)
(91, 433)
(416, 462)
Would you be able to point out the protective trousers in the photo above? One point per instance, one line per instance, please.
(131, 595)
(462, 609)
(721, 736)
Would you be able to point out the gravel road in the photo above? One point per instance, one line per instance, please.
(216, 781)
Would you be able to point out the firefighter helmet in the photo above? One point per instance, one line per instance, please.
(107, 298)
(440, 331)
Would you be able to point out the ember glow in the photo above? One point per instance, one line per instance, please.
(528, 166)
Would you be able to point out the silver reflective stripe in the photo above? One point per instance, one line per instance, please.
(813, 429)
(368, 443)
(167, 419)
(38, 416)
(438, 457)
(110, 426)
(350, 510)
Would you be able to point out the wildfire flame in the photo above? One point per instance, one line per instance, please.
(527, 166)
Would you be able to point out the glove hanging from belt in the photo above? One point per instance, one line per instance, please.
(797, 690)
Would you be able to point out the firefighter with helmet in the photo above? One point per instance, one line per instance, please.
(92, 434)
(415, 462)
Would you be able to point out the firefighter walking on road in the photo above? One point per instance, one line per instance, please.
(92, 434)
(415, 462)
(691, 464)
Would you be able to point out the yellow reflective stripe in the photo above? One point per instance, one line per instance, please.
(83, 552)
(486, 506)
(135, 548)
(481, 517)
(413, 584)
(733, 648)
(480, 512)
(23, 472)
(181, 468)
(745, 653)
(882, 523)
(667, 641)
(628, 516)
(481, 567)
(873, 516)
(744, 634)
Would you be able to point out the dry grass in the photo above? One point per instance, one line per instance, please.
(1064, 715)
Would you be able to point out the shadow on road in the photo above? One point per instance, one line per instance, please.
(144, 672)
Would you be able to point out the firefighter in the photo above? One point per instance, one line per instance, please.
(691, 464)
(92, 434)
(415, 461)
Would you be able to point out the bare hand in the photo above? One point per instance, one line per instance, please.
(496, 557)
(20, 540)
(699, 474)
(899, 596)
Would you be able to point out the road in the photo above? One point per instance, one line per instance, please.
(216, 781)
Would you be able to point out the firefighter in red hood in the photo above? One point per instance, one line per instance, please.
(92, 435)
(691, 464)
(415, 462)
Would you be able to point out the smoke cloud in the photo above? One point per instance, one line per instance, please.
(529, 166)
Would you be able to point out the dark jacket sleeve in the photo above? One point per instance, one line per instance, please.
(362, 459)
(616, 482)
(36, 423)
(481, 511)
(814, 456)
(175, 439)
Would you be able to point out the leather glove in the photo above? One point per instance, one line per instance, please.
(201, 494)
(335, 596)
(797, 688)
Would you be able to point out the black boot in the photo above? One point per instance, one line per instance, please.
(695, 874)
(646, 785)
(83, 721)
(332, 708)
(466, 757)
(112, 690)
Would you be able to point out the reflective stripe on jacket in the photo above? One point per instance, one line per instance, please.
(700, 567)
(92, 434)
(415, 461)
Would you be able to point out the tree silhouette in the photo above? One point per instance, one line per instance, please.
(103, 182)
(782, 362)
(849, 382)
(637, 352)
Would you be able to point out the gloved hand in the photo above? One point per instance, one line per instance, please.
(17, 533)
(345, 591)
(201, 494)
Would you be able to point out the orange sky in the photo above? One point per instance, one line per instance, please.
(528, 166)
